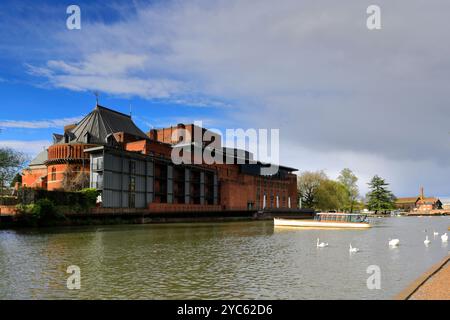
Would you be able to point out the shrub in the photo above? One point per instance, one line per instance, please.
(42, 212)
(8, 200)
(90, 196)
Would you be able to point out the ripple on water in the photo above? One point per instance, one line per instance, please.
(242, 260)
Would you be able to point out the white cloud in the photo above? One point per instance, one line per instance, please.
(38, 124)
(32, 148)
(115, 73)
(311, 69)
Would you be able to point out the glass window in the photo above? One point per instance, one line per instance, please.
(53, 174)
(132, 186)
(132, 167)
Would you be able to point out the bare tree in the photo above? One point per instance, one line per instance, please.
(74, 180)
(11, 162)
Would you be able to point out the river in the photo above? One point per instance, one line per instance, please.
(232, 260)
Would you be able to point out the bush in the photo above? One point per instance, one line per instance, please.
(42, 212)
(8, 201)
(90, 196)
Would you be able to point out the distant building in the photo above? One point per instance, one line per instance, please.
(419, 203)
(445, 203)
(35, 176)
(133, 169)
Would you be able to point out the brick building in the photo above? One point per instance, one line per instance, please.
(133, 169)
(418, 203)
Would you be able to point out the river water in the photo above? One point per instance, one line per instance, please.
(233, 260)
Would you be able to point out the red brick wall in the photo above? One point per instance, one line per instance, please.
(238, 190)
(170, 135)
(8, 210)
(31, 178)
(54, 183)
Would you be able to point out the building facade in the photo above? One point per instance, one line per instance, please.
(419, 203)
(133, 169)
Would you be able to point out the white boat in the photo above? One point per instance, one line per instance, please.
(327, 220)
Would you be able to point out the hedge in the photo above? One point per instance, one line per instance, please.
(84, 198)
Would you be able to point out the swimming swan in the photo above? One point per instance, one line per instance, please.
(394, 242)
(353, 250)
(321, 244)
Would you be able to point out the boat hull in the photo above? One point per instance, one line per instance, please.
(318, 224)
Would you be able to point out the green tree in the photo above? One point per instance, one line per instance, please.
(380, 199)
(307, 184)
(331, 195)
(349, 180)
(17, 178)
(11, 162)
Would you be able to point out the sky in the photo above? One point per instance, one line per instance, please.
(375, 101)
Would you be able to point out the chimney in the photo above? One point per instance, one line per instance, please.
(421, 193)
(153, 134)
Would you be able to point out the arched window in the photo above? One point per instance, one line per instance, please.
(53, 174)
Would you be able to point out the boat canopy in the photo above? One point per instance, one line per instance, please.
(341, 217)
(341, 214)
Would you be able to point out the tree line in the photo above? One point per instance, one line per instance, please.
(317, 191)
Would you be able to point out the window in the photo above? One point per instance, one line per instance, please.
(53, 178)
(132, 186)
(132, 200)
(99, 182)
(132, 167)
(97, 164)
(87, 137)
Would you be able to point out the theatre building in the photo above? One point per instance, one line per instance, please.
(133, 169)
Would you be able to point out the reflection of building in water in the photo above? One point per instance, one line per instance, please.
(420, 203)
(133, 169)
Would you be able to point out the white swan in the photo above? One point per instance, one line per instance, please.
(321, 244)
(353, 250)
(426, 241)
(394, 242)
(435, 233)
(444, 237)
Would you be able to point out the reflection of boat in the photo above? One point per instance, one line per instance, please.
(327, 220)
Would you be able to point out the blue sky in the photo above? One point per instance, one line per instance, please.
(33, 109)
(340, 94)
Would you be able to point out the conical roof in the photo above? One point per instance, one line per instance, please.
(102, 122)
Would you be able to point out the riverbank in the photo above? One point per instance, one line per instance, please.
(432, 285)
(101, 216)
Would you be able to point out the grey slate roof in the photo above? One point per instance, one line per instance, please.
(40, 159)
(102, 122)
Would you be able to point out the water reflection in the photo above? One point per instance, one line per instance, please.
(216, 260)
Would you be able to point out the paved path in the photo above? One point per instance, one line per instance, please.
(435, 288)
(433, 285)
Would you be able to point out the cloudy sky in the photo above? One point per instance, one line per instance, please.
(376, 101)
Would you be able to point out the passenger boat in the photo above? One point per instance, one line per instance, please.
(327, 220)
